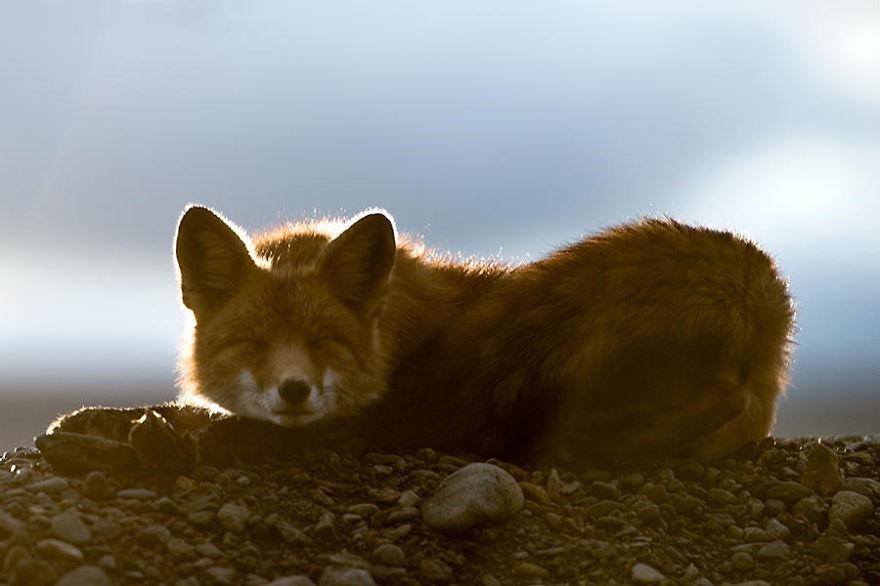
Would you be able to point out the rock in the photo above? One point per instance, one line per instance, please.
(776, 529)
(208, 550)
(649, 513)
(603, 508)
(77, 453)
(85, 576)
(833, 549)
(140, 494)
(345, 576)
(52, 485)
(435, 570)
(828, 574)
(535, 492)
(403, 514)
(13, 556)
(292, 581)
(687, 504)
(633, 481)
(59, 550)
(325, 528)
(866, 486)
(408, 498)
(233, 517)
(718, 497)
(96, 486)
(852, 508)
(656, 492)
(109, 530)
(390, 555)
(604, 490)
(69, 527)
(742, 561)
(9, 524)
(822, 472)
(365, 510)
(221, 575)
(788, 491)
(290, 533)
(472, 495)
(775, 507)
(554, 485)
(152, 535)
(775, 550)
(201, 518)
(645, 574)
(530, 570)
(34, 572)
(814, 508)
(167, 506)
(180, 548)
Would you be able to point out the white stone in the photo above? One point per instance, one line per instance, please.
(645, 574)
(472, 495)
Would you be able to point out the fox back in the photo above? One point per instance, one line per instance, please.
(653, 337)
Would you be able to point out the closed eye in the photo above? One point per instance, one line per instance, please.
(242, 344)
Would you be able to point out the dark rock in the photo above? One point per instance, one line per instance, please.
(345, 576)
(52, 485)
(852, 508)
(822, 472)
(788, 491)
(85, 576)
(97, 487)
(69, 527)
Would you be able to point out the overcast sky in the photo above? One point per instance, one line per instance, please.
(490, 128)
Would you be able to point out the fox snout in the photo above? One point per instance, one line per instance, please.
(294, 391)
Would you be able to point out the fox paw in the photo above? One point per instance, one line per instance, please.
(114, 440)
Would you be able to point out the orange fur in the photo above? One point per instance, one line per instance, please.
(652, 337)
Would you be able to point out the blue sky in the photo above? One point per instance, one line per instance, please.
(490, 128)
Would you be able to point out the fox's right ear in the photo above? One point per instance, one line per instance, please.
(212, 258)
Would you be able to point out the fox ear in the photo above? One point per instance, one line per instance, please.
(358, 262)
(212, 257)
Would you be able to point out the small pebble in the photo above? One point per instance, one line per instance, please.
(775, 550)
(390, 555)
(345, 576)
(69, 527)
(96, 486)
(645, 574)
(85, 576)
(292, 581)
(52, 485)
(141, 494)
(233, 517)
(852, 508)
(59, 550)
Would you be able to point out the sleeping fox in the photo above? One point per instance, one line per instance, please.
(650, 338)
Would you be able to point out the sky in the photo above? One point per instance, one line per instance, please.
(497, 128)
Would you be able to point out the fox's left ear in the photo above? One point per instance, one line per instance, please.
(358, 262)
(213, 258)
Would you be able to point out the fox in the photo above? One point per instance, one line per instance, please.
(653, 337)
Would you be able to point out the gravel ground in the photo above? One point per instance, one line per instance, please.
(787, 512)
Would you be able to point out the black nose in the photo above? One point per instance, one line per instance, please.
(294, 390)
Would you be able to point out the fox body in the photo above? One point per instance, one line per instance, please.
(652, 337)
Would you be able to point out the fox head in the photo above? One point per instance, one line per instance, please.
(285, 326)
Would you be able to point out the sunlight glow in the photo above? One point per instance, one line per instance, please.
(790, 192)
